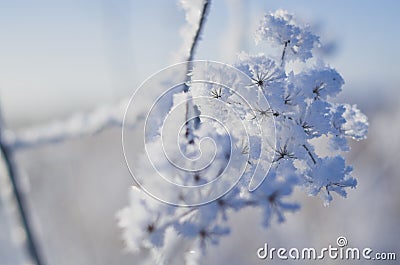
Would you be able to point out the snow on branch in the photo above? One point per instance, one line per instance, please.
(78, 125)
(195, 16)
(196, 13)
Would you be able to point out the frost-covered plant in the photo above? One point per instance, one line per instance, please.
(301, 106)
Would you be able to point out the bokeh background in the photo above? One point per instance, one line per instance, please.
(58, 58)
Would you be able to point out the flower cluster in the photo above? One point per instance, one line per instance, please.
(304, 115)
(281, 29)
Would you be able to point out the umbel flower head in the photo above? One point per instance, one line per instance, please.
(280, 28)
(305, 115)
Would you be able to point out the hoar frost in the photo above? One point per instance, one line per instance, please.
(301, 105)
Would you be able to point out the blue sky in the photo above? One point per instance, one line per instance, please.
(61, 56)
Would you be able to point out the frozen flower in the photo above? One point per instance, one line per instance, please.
(302, 112)
(330, 174)
(281, 29)
(141, 222)
(356, 125)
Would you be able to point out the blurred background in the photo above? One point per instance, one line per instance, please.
(58, 58)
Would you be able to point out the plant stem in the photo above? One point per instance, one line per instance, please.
(204, 13)
(189, 122)
(310, 154)
(284, 52)
(22, 207)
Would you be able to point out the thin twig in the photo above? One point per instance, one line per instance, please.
(202, 21)
(284, 52)
(78, 125)
(196, 39)
(204, 12)
(310, 154)
(22, 207)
